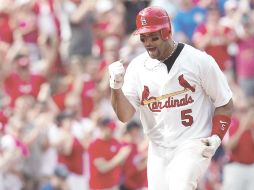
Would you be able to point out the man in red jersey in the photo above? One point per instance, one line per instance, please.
(135, 164)
(239, 172)
(18, 77)
(214, 40)
(70, 151)
(105, 157)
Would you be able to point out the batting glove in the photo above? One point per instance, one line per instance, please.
(116, 72)
(211, 145)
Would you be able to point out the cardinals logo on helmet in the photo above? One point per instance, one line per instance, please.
(143, 21)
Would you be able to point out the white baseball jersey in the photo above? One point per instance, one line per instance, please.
(178, 105)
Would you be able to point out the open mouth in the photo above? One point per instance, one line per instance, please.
(151, 49)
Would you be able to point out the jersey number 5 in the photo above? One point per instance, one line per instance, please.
(187, 119)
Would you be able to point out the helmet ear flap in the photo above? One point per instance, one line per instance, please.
(165, 33)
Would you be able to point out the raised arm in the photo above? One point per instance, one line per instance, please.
(121, 105)
(82, 10)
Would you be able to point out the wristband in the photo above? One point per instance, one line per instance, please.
(221, 124)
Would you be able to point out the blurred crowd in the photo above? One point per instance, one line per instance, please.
(57, 127)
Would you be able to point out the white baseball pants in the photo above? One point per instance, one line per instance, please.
(176, 169)
(238, 176)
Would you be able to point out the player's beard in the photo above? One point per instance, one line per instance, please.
(153, 53)
(157, 52)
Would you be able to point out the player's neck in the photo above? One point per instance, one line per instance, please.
(169, 51)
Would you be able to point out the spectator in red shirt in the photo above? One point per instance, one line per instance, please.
(239, 172)
(245, 56)
(212, 37)
(108, 23)
(61, 86)
(18, 77)
(105, 158)
(70, 150)
(135, 164)
(79, 81)
(21, 82)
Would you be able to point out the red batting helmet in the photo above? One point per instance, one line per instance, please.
(152, 19)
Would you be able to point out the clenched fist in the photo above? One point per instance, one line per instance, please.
(211, 145)
(116, 72)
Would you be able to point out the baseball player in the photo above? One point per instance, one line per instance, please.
(183, 98)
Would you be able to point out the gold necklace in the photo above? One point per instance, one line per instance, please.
(173, 50)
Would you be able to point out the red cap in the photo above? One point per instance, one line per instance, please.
(152, 19)
(111, 125)
(106, 122)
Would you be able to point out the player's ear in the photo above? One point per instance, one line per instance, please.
(165, 33)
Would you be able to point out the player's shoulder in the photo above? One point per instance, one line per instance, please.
(191, 53)
(190, 50)
(139, 60)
